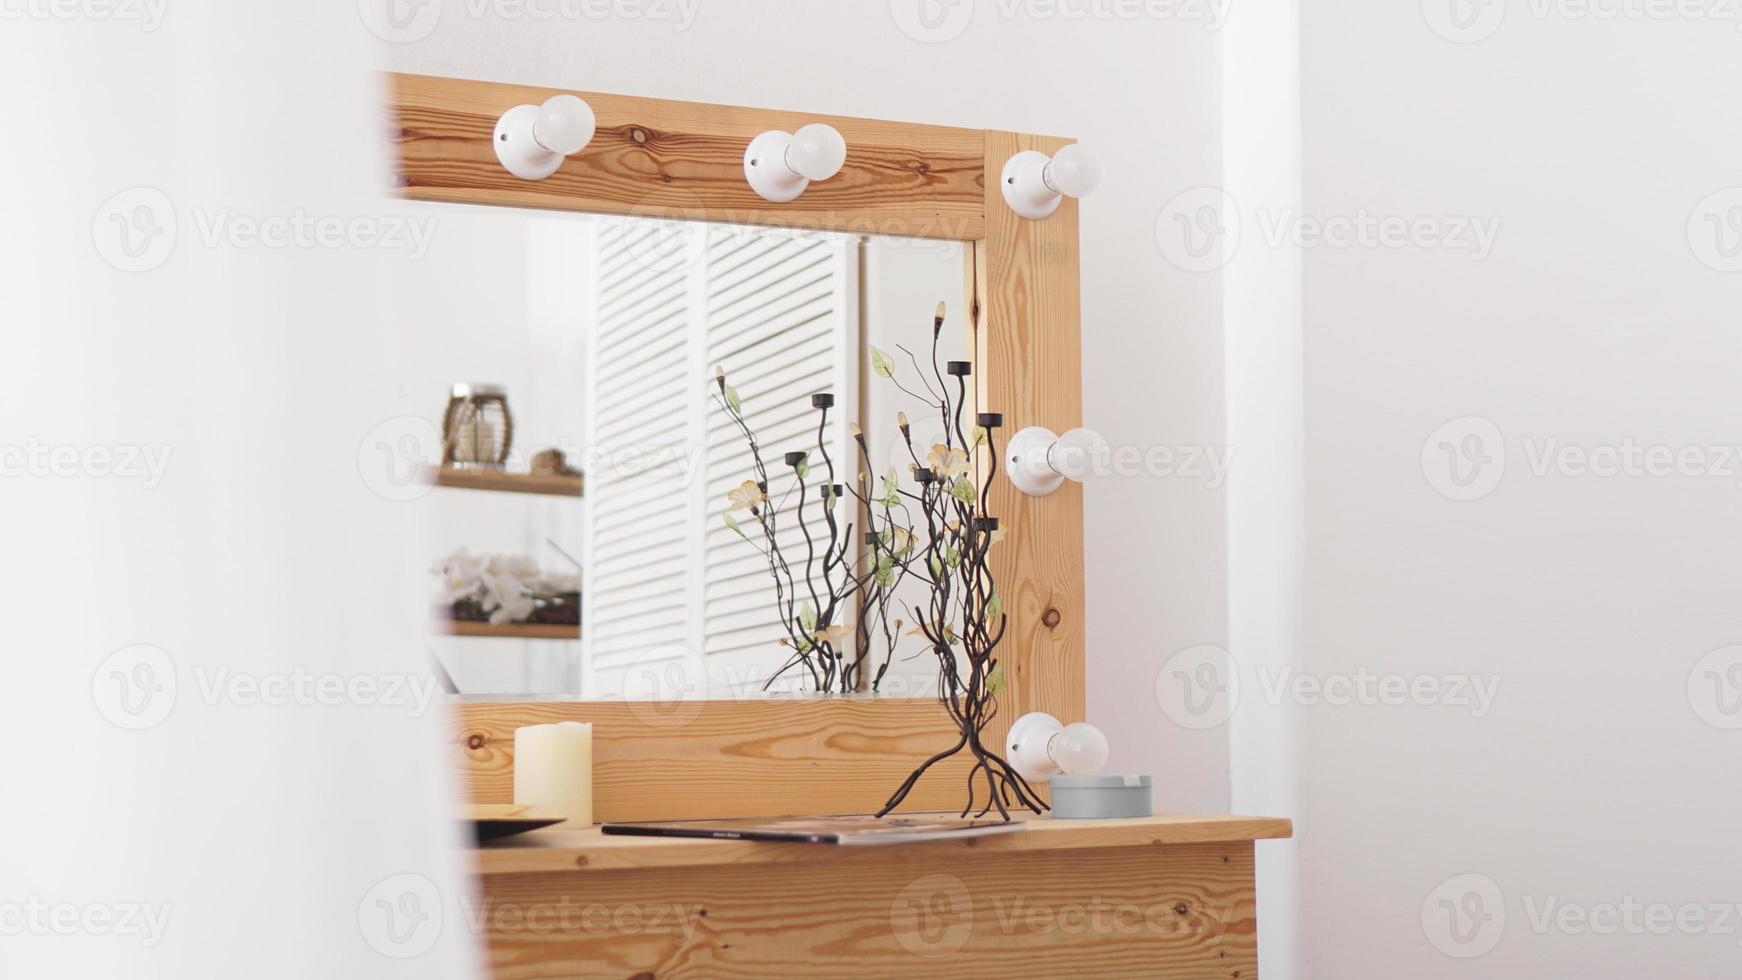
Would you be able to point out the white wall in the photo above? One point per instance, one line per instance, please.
(1142, 91)
(1593, 779)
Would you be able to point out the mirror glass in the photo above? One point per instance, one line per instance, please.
(604, 338)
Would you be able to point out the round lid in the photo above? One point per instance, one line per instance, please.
(1102, 780)
(479, 389)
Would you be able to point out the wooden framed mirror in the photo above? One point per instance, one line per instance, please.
(1019, 307)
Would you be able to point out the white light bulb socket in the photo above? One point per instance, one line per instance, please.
(563, 121)
(1039, 460)
(1039, 748)
(779, 166)
(1034, 183)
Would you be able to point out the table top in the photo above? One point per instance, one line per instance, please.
(587, 849)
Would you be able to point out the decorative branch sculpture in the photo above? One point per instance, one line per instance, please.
(962, 618)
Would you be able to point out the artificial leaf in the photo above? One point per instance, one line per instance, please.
(963, 489)
(981, 434)
(733, 524)
(807, 617)
(884, 574)
(732, 401)
(995, 681)
(994, 607)
(803, 468)
(881, 363)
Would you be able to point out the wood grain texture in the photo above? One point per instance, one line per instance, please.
(695, 759)
(590, 850)
(1183, 911)
(1026, 336)
(686, 160)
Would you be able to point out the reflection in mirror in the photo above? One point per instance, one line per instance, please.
(608, 336)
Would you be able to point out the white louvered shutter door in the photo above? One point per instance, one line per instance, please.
(780, 314)
(782, 319)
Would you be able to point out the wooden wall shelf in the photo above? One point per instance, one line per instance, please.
(503, 482)
(514, 631)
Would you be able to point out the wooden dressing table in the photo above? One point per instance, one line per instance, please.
(1168, 896)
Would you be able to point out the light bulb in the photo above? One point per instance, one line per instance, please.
(817, 152)
(1076, 453)
(564, 124)
(1079, 748)
(1074, 171)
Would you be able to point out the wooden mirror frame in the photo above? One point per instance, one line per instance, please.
(667, 159)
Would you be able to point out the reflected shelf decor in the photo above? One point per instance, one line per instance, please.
(961, 618)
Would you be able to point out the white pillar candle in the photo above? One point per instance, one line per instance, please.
(553, 770)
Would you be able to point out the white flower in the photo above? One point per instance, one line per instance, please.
(459, 576)
(508, 594)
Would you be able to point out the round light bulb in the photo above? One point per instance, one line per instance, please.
(564, 124)
(817, 152)
(1077, 452)
(1074, 171)
(1079, 748)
